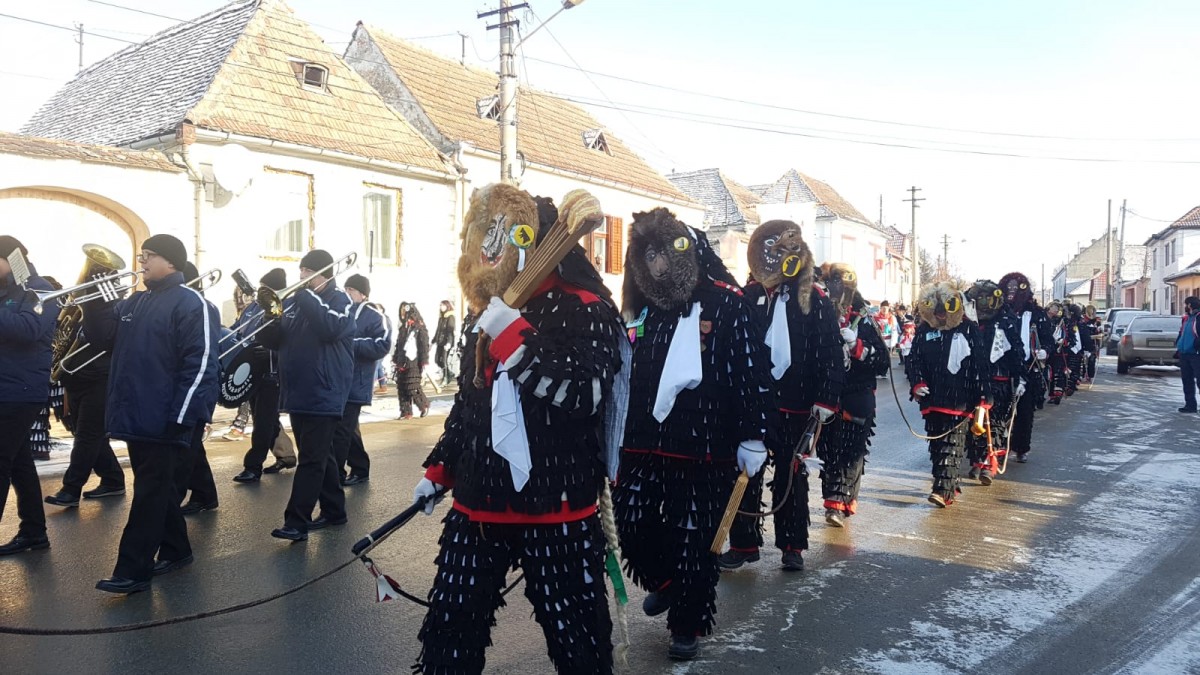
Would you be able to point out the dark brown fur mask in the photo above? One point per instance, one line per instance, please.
(661, 264)
(941, 306)
(988, 298)
(1018, 292)
(488, 263)
(777, 253)
(842, 284)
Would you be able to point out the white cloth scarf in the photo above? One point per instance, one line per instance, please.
(509, 438)
(960, 349)
(1000, 345)
(1026, 320)
(779, 340)
(1078, 346)
(682, 369)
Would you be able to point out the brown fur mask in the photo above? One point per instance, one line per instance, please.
(941, 306)
(777, 253)
(661, 265)
(842, 284)
(488, 263)
(1054, 310)
(988, 298)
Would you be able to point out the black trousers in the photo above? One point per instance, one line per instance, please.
(1189, 373)
(348, 444)
(946, 453)
(564, 581)
(196, 475)
(264, 406)
(91, 450)
(317, 477)
(408, 389)
(1021, 437)
(977, 446)
(791, 522)
(155, 523)
(16, 467)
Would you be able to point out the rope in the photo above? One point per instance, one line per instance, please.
(796, 460)
(892, 379)
(611, 538)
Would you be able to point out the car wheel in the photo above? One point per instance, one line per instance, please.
(1122, 367)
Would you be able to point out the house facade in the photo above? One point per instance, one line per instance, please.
(1174, 254)
(1083, 279)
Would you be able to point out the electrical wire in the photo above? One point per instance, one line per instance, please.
(67, 28)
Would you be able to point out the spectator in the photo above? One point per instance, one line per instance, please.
(443, 340)
(1188, 345)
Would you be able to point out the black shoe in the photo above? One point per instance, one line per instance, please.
(289, 533)
(122, 586)
(247, 476)
(1021, 457)
(658, 602)
(322, 522)
(354, 480)
(192, 508)
(62, 498)
(21, 543)
(280, 465)
(985, 476)
(793, 561)
(684, 647)
(104, 491)
(1186, 409)
(424, 412)
(163, 566)
(731, 559)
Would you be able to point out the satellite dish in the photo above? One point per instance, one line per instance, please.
(234, 167)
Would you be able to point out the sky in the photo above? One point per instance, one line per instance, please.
(996, 104)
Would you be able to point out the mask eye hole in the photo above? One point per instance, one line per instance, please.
(951, 305)
(682, 244)
(1024, 286)
(998, 293)
(771, 241)
(848, 276)
(927, 303)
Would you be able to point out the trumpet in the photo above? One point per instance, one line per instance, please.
(271, 300)
(205, 281)
(107, 289)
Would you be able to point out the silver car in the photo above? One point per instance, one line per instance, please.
(1113, 331)
(1149, 341)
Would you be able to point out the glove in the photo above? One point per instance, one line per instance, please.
(921, 391)
(497, 317)
(822, 413)
(850, 335)
(1041, 355)
(1020, 390)
(751, 456)
(427, 488)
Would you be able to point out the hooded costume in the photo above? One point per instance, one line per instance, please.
(523, 453)
(1002, 360)
(1063, 342)
(1037, 340)
(699, 390)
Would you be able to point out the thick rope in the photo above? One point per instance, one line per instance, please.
(795, 468)
(609, 524)
(892, 379)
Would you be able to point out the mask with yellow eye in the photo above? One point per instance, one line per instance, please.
(987, 297)
(841, 283)
(777, 252)
(1018, 291)
(941, 306)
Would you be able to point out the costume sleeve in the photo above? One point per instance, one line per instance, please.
(1013, 362)
(831, 366)
(330, 320)
(422, 345)
(916, 359)
(192, 325)
(750, 370)
(372, 339)
(977, 366)
(879, 360)
(570, 367)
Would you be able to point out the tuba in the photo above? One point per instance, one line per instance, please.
(99, 262)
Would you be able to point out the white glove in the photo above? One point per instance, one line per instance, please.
(849, 335)
(822, 413)
(751, 456)
(427, 488)
(497, 317)
(921, 391)
(866, 353)
(1020, 390)
(1041, 355)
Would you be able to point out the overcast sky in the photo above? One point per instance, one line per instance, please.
(1094, 79)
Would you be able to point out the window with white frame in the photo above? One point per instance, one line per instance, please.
(381, 223)
(288, 198)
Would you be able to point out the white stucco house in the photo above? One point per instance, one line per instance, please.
(1174, 271)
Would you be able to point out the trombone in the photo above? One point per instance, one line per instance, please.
(205, 281)
(107, 289)
(271, 300)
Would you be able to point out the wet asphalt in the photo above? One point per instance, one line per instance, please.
(1084, 560)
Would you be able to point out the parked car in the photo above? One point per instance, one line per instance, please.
(1120, 322)
(1149, 341)
(1112, 312)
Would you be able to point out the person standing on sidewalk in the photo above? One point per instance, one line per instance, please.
(25, 354)
(162, 385)
(410, 358)
(443, 340)
(372, 341)
(316, 366)
(1188, 345)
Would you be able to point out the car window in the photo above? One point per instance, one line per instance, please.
(1155, 324)
(1124, 318)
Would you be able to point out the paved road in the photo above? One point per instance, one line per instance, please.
(1082, 561)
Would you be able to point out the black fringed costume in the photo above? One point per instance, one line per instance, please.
(845, 443)
(1036, 333)
(1003, 371)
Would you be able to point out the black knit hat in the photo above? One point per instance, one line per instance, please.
(359, 283)
(316, 260)
(8, 244)
(170, 248)
(275, 280)
(190, 273)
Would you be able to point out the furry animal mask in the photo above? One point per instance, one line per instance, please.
(988, 298)
(1090, 311)
(941, 306)
(842, 284)
(1017, 291)
(662, 263)
(1054, 310)
(488, 263)
(777, 253)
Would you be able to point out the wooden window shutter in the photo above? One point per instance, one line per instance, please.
(616, 244)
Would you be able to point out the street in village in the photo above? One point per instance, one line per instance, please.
(1081, 561)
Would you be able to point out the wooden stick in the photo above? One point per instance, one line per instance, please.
(735, 501)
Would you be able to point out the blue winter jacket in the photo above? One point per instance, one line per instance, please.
(316, 361)
(163, 378)
(372, 341)
(25, 338)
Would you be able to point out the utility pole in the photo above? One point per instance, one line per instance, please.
(508, 88)
(1120, 253)
(916, 250)
(79, 41)
(946, 255)
(1043, 284)
(1108, 266)
(462, 60)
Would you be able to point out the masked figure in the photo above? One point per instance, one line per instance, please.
(1037, 339)
(1003, 362)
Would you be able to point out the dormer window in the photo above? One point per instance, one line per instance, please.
(488, 108)
(594, 139)
(312, 76)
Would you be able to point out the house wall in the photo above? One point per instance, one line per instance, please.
(1185, 249)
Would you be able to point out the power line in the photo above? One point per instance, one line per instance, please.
(31, 75)
(66, 28)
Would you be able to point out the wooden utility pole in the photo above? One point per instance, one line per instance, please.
(79, 41)
(916, 250)
(508, 88)
(1108, 266)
